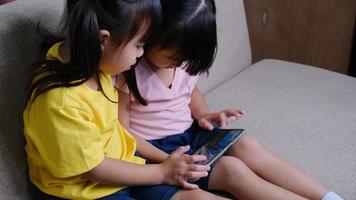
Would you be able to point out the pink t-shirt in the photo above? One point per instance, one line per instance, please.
(167, 112)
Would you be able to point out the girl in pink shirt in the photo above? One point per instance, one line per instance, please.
(169, 111)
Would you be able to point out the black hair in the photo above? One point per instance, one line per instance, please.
(190, 27)
(84, 19)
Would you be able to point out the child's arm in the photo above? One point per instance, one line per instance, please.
(175, 170)
(207, 120)
(197, 104)
(146, 149)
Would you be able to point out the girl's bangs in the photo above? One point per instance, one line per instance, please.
(147, 16)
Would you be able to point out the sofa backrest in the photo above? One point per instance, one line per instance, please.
(234, 52)
(19, 41)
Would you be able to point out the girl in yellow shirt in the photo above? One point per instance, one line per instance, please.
(76, 147)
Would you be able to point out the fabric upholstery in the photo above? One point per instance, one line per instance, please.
(19, 41)
(234, 52)
(304, 114)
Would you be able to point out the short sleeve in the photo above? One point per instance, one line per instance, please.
(68, 141)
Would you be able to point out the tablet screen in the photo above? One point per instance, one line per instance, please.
(218, 144)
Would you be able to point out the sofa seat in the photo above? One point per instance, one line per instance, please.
(304, 114)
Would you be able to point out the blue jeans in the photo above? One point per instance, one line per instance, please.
(195, 137)
(39, 195)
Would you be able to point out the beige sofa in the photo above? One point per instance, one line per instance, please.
(303, 113)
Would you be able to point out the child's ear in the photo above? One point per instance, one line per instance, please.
(104, 38)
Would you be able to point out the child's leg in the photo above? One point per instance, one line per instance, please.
(169, 192)
(195, 195)
(274, 169)
(232, 175)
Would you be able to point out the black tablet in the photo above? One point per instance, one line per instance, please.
(218, 144)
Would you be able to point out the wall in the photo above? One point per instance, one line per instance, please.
(314, 32)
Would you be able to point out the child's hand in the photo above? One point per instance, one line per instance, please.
(178, 168)
(220, 119)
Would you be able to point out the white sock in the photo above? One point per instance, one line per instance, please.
(331, 196)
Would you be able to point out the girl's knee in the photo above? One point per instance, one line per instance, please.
(247, 145)
(230, 167)
(228, 174)
(194, 194)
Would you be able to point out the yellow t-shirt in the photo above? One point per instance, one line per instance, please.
(69, 131)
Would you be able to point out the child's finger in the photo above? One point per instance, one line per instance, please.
(193, 158)
(223, 119)
(234, 112)
(188, 186)
(200, 168)
(242, 112)
(206, 124)
(180, 150)
(230, 119)
(192, 175)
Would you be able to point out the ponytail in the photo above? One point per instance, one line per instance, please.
(84, 48)
(84, 20)
(83, 38)
(130, 79)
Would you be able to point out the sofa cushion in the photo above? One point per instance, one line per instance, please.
(234, 52)
(305, 114)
